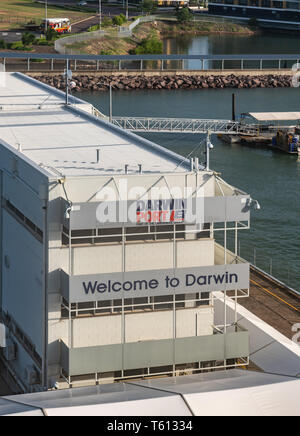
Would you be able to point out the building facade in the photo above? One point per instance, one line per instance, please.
(106, 272)
(269, 13)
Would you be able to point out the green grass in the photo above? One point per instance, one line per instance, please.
(21, 11)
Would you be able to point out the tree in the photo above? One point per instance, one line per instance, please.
(184, 15)
(149, 6)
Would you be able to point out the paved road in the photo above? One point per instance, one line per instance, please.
(11, 36)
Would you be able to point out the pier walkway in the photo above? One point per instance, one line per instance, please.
(181, 125)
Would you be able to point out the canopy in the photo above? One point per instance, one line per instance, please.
(275, 116)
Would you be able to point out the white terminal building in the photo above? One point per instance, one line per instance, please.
(85, 300)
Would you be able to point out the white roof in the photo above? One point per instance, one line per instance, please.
(275, 116)
(269, 349)
(228, 393)
(65, 140)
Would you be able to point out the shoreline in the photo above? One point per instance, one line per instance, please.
(102, 81)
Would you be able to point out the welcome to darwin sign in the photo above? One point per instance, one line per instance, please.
(97, 287)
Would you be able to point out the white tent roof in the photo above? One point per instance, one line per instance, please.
(275, 116)
(233, 392)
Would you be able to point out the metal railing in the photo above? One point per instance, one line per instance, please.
(57, 62)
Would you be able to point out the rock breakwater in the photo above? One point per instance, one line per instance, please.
(90, 82)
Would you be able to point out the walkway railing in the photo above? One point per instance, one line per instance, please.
(183, 125)
(126, 63)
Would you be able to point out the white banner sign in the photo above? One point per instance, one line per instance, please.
(98, 287)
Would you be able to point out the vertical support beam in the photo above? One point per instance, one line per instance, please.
(52, 64)
(75, 65)
(110, 105)
(261, 64)
(28, 64)
(67, 82)
(141, 65)
(223, 64)
(123, 300)
(162, 65)
(242, 64)
(97, 66)
(120, 65)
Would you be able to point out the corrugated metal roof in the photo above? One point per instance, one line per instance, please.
(65, 139)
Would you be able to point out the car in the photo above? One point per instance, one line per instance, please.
(82, 3)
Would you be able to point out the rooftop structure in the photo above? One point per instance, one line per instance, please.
(109, 259)
(231, 393)
(270, 13)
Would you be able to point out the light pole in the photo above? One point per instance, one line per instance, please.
(46, 16)
(126, 9)
(100, 14)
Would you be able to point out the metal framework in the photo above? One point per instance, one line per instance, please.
(182, 125)
(95, 309)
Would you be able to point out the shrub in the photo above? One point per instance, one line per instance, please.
(51, 35)
(2, 43)
(28, 38)
(118, 20)
(107, 22)
(43, 42)
(149, 46)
